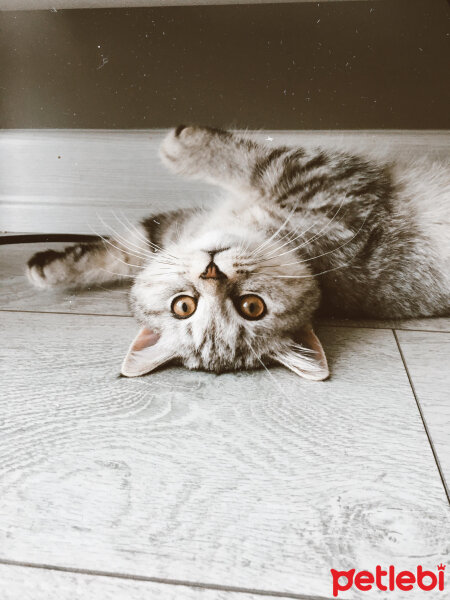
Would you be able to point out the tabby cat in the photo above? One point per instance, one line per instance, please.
(236, 285)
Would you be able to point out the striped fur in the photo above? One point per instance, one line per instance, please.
(299, 227)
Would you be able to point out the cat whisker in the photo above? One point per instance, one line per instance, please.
(117, 258)
(286, 221)
(101, 287)
(110, 243)
(124, 262)
(273, 378)
(140, 252)
(315, 236)
(323, 253)
(127, 244)
(288, 234)
(162, 251)
(312, 274)
(311, 226)
(309, 241)
(117, 274)
(135, 233)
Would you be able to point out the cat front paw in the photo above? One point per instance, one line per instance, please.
(186, 148)
(47, 269)
(183, 139)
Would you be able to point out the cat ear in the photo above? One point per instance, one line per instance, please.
(305, 356)
(146, 353)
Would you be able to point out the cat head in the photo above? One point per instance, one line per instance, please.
(223, 302)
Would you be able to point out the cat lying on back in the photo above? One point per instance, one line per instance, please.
(237, 285)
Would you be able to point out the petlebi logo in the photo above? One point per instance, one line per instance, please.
(388, 579)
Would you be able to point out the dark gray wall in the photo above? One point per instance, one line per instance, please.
(332, 65)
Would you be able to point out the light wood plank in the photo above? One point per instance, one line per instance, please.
(256, 480)
(16, 293)
(25, 583)
(428, 324)
(427, 357)
(97, 175)
(100, 173)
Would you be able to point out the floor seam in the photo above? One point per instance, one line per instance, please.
(339, 326)
(162, 580)
(382, 328)
(422, 416)
(54, 312)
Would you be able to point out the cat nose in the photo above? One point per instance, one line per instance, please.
(212, 271)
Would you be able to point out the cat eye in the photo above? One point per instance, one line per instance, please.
(183, 306)
(251, 307)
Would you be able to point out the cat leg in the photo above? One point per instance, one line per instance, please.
(220, 157)
(86, 264)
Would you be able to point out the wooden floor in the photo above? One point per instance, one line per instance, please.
(187, 485)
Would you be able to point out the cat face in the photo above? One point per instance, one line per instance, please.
(223, 302)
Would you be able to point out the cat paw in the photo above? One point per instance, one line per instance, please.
(47, 269)
(183, 139)
(184, 148)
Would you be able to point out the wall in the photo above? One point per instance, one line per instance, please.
(280, 66)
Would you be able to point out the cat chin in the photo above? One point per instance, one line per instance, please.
(219, 239)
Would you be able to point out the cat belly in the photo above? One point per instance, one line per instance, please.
(424, 195)
(405, 272)
(394, 286)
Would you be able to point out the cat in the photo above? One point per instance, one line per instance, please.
(236, 285)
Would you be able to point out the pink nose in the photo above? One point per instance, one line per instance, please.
(212, 272)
